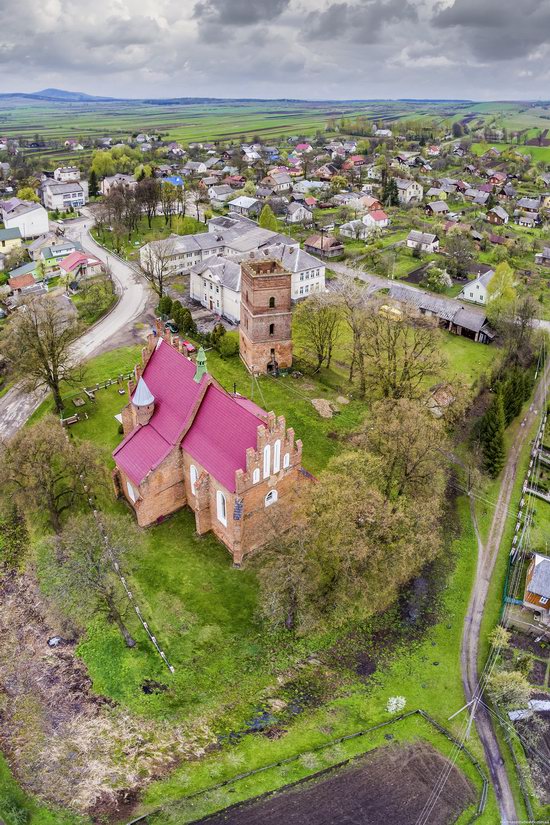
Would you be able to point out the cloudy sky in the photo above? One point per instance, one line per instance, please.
(318, 49)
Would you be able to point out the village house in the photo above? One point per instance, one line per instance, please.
(244, 205)
(9, 239)
(543, 258)
(426, 241)
(80, 264)
(59, 249)
(376, 219)
(409, 191)
(297, 213)
(497, 216)
(326, 246)
(437, 208)
(66, 173)
(537, 588)
(189, 442)
(216, 284)
(278, 180)
(477, 291)
(117, 180)
(31, 219)
(218, 195)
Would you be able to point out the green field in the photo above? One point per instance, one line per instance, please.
(228, 120)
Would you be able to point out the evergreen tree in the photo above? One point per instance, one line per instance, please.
(390, 195)
(165, 305)
(93, 189)
(268, 219)
(492, 436)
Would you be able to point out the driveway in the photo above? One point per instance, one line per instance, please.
(17, 405)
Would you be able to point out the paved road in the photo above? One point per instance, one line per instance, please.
(16, 405)
(487, 556)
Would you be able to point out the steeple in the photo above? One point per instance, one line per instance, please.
(201, 365)
(143, 401)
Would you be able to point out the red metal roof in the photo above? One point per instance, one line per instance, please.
(378, 215)
(220, 435)
(22, 281)
(219, 428)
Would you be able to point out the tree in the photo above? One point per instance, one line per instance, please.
(40, 469)
(38, 342)
(148, 195)
(501, 286)
(509, 688)
(332, 567)
(437, 279)
(168, 200)
(78, 569)
(317, 324)
(457, 130)
(514, 322)
(268, 219)
(460, 251)
(228, 347)
(390, 192)
(27, 193)
(156, 263)
(492, 436)
(93, 188)
(217, 335)
(399, 353)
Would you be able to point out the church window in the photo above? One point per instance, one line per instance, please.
(277, 456)
(256, 475)
(221, 507)
(267, 460)
(193, 475)
(271, 302)
(286, 460)
(132, 492)
(270, 498)
(272, 329)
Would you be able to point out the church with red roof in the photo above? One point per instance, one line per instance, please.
(188, 442)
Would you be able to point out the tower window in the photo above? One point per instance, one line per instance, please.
(271, 302)
(277, 456)
(193, 476)
(272, 329)
(221, 508)
(271, 498)
(267, 461)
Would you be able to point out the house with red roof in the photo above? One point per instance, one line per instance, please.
(81, 264)
(188, 442)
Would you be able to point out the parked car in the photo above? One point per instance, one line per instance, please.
(171, 326)
(189, 346)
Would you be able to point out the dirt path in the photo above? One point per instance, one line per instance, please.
(487, 556)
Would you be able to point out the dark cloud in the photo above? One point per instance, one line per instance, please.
(498, 29)
(239, 12)
(362, 23)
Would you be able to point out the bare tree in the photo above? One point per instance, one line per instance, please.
(79, 570)
(38, 343)
(318, 321)
(353, 301)
(40, 469)
(148, 196)
(399, 351)
(156, 263)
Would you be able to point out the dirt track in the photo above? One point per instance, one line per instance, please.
(487, 556)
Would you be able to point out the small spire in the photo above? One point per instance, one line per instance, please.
(143, 395)
(201, 365)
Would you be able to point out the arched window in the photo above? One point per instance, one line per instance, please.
(133, 494)
(271, 302)
(267, 460)
(272, 329)
(277, 456)
(286, 460)
(256, 475)
(271, 498)
(193, 476)
(221, 508)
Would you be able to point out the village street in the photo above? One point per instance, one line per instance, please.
(17, 405)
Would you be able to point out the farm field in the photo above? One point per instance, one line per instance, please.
(196, 120)
(372, 788)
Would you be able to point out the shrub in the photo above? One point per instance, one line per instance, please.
(228, 345)
(165, 305)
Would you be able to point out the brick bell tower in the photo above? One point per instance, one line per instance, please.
(265, 333)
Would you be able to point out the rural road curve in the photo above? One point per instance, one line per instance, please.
(17, 405)
(487, 556)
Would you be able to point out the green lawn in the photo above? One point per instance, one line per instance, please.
(144, 233)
